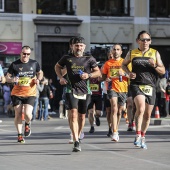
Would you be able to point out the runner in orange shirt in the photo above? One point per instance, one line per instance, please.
(25, 73)
(117, 87)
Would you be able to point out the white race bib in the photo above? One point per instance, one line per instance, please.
(80, 96)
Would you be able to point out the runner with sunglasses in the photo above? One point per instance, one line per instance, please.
(24, 73)
(146, 65)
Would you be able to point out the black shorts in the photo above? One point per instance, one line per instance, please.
(97, 100)
(106, 100)
(135, 90)
(129, 94)
(121, 96)
(74, 103)
(17, 100)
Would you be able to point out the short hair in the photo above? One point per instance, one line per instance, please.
(117, 44)
(78, 40)
(26, 47)
(142, 32)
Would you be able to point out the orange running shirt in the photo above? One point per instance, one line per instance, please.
(26, 73)
(111, 69)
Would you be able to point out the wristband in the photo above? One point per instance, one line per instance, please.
(90, 75)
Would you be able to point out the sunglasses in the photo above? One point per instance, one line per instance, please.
(145, 39)
(26, 53)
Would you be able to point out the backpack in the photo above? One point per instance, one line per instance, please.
(168, 89)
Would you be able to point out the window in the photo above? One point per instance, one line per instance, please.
(110, 7)
(159, 8)
(56, 7)
(9, 6)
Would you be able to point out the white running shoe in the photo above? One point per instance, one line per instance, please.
(115, 137)
(137, 141)
(71, 139)
(143, 144)
(81, 135)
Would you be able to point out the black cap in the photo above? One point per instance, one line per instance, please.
(78, 40)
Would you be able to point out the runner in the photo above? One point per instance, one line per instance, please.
(25, 73)
(78, 73)
(146, 65)
(117, 87)
(96, 102)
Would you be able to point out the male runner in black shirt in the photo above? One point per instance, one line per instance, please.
(79, 71)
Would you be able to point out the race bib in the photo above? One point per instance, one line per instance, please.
(24, 81)
(80, 96)
(146, 89)
(113, 73)
(94, 87)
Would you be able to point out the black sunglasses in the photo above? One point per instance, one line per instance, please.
(145, 39)
(26, 53)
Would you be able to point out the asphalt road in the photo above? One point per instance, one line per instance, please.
(47, 148)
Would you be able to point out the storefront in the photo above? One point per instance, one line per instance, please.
(9, 52)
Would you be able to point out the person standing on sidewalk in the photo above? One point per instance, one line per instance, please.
(146, 65)
(24, 73)
(79, 68)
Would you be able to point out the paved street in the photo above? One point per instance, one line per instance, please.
(48, 148)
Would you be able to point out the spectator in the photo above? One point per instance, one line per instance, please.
(52, 95)
(44, 100)
(39, 89)
(6, 96)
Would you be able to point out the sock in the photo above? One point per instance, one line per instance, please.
(142, 134)
(138, 133)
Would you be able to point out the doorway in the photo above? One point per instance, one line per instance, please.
(51, 54)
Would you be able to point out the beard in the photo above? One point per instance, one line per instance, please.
(78, 53)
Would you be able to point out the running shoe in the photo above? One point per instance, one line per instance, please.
(20, 139)
(76, 147)
(115, 137)
(97, 121)
(109, 133)
(143, 144)
(81, 135)
(27, 131)
(71, 139)
(137, 141)
(129, 127)
(91, 129)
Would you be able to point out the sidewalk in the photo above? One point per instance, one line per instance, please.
(160, 121)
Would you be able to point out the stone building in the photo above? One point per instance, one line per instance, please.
(47, 25)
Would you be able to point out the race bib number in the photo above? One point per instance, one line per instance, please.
(78, 96)
(94, 87)
(146, 89)
(24, 81)
(113, 73)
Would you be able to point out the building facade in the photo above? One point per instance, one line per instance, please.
(47, 25)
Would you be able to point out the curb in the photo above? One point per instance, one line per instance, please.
(160, 121)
